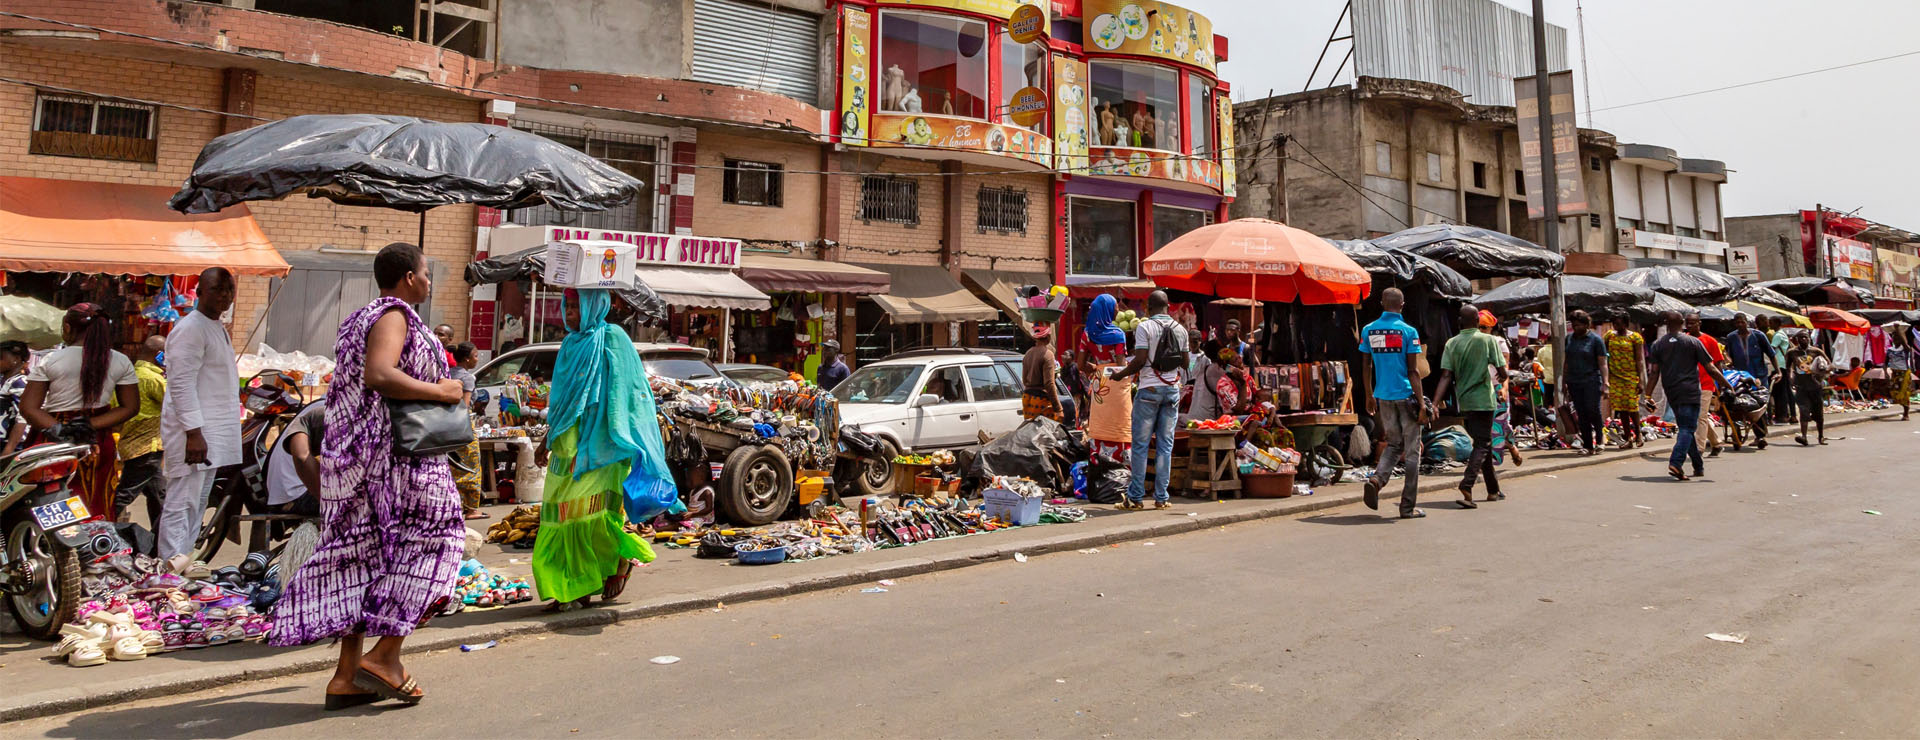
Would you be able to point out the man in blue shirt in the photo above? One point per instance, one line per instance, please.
(1750, 351)
(832, 368)
(1398, 402)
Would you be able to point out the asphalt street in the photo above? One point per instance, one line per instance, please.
(1578, 607)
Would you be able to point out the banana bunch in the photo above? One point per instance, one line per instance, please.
(522, 524)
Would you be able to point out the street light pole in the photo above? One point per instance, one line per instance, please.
(1549, 193)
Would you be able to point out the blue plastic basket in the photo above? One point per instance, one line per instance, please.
(759, 557)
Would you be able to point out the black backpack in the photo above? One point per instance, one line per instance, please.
(1167, 355)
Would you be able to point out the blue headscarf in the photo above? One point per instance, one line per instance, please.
(1100, 328)
(600, 388)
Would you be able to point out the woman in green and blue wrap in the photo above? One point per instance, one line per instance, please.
(604, 452)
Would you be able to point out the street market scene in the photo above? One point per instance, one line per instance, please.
(411, 367)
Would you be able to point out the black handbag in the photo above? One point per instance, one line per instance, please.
(422, 428)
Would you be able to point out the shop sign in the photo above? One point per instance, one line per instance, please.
(1027, 106)
(1227, 151)
(969, 134)
(1129, 162)
(1898, 274)
(1673, 242)
(672, 250)
(1744, 262)
(1001, 9)
(1849, 258)
(1070, 113)
(856, 83)
(1027, 25)
(1569, 176)
(1149, 29)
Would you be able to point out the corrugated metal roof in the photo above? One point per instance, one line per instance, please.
(1474, 46)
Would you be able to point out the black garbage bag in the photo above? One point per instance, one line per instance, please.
(1744, 401)
(1107, 480)
(1027, 452)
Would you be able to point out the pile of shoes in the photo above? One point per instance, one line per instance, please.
(479, 588)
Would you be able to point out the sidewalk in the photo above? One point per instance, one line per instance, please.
(678, 583)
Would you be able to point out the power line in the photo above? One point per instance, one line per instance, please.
(1761, 82)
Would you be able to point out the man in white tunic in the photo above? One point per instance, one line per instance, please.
(200, 421)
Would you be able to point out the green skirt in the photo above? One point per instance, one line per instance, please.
(583, 536)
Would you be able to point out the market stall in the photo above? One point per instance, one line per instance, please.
(806, 295)
(914, 312)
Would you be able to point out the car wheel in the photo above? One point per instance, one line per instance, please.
(756, 485)
(875, 476)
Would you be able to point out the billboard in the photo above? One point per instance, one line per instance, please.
(1847, 258)
(856, 96)
(1898, 274)
(1149, 28)
(1478, 47)
(1569, 179)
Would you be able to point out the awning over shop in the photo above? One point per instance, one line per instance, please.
(81, 226)
(926, 295)
(999, 286)
(690, 287)
(768, 272)
(1119, 287)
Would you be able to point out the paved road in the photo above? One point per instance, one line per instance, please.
(1579, 607)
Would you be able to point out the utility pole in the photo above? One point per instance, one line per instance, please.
(1822, 261)
(1549, 193)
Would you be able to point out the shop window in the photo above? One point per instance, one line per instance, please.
(1001, 209)
(894, 200)
(1382, 158)
(1200, 128)
(635, 154)
(1102, 236)
(751, 183)
(933, 64)
(1480, 175)
(1021, 65)
(94, 128)
(990, 383)
(1136, 105)
(1171, 223)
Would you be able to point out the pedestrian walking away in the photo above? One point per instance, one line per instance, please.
(1900, 367)
(1681, 363)
(391, 537)
(1585, 374)
(1040, 377)
(1468, 365)
(141, 463)
(1390, 347)
(1160, 359)
(1626, 366)
(603, 446)
(200, 421)
(84, 390)
(1810, 367)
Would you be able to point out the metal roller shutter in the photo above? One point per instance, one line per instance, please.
(752, 44)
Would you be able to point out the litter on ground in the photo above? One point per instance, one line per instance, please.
(1736, 638)
(665, 660)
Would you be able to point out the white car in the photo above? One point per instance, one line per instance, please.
(933, 399)
(677, 361)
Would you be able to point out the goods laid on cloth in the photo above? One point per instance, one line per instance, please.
(1591, 293)
(1258, 259)
(1691, 284)
(1475, 252)
(1833, 319)
(835, 530)
(1816, 290)
(1405, 270)
(532, 264)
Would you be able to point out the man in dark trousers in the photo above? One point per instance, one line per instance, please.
(1680, 361)
(1398, 403)
(832, 369)
(1468, 365)
(1584, 377)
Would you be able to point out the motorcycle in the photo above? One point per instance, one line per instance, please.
(44, 528)
(272, 400)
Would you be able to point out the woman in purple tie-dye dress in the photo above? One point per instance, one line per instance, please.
(391, 536)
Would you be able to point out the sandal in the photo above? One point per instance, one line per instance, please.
(616, 583)
(366, 679)
(1676, 472)
(1162, 505)
(128, 648)
(349, 701)
(1466, 500)
(86, 653)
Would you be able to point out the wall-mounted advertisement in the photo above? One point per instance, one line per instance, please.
(1001, 9)
(856, 85)
(1744, 262)
(1227, 150)
(1849, 258)
(1149, 29)
(1070, 113)
(1129, 162)
(1898, 274)
(947, 132)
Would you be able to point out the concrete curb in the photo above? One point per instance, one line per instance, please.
(20, 704)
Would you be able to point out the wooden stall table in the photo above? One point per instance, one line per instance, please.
(1213, 469)
(1311, 429)
(490, 448)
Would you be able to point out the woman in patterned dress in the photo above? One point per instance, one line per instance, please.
(1626, 364)
(391, 536)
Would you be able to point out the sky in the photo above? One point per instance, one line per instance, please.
(1842, 138)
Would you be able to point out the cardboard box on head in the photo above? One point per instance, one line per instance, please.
(590, 263)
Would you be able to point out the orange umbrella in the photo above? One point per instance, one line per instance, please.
(1258, 259)
(1845, 322)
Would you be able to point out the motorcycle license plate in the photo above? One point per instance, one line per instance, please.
(60, 514)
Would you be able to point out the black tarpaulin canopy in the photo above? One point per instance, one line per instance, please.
(1475, 252)
(1819, 290)
(1691, 284)
(1395, 268)
(1529, 295)
(1766, 297)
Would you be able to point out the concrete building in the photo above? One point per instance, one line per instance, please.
(1882, 258)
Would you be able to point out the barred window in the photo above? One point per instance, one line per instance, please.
(635, 154)
(890, 199)
(1001, 209)
(751, 183)
(93, 128)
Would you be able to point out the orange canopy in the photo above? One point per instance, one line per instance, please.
(1833, 319)
(80, 226)
(1259, 259)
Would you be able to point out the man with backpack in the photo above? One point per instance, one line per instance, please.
(1160, 359)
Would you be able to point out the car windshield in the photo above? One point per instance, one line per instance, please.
(879, 384)
(689, 366)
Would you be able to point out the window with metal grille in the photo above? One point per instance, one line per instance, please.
(638, 155)
(93, 128)
(894, 200)
(1002, 209)
(751, 183)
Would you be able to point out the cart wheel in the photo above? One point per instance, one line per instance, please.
(756, 485)
(874, 475)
